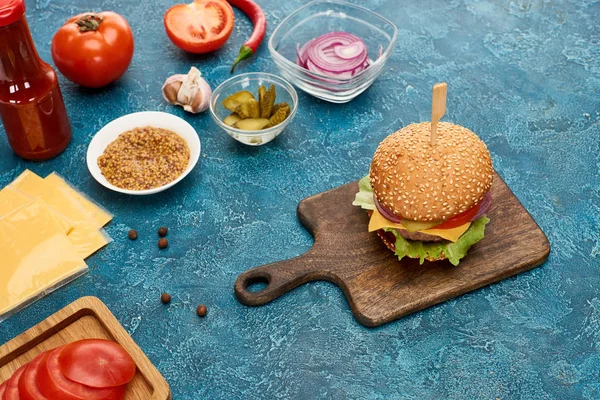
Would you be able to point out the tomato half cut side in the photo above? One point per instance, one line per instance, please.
(28, 387)
(199, 27)
(3, 389)
(459, 219)
(54, 385)
(12, 385)
(97, 363)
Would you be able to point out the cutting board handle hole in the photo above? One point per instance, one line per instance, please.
(257, 283)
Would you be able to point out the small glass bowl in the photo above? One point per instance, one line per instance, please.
(251, 82)
(324, 16)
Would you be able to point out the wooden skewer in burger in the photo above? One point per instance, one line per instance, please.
(427, 191)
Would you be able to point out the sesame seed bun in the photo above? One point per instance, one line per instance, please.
(420, 182)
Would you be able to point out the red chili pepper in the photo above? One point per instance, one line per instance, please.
(257, 16)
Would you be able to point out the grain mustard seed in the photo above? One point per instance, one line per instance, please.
(144, 158)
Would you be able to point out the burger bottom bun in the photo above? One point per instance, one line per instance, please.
(389, 239)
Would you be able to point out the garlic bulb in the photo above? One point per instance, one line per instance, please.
(190, 91)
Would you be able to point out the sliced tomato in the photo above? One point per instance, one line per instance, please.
(54, 385)
(12, 385)
(460, 219)
(3, 389)
(28, 387)
(97, 363)
(199, 27)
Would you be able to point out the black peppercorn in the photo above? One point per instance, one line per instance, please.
(201, 310)
(165, 298)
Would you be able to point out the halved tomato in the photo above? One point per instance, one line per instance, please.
(97, 363)
(54, 385)
(460, 219)
(199, 27)
(12, 385)
(28, 387)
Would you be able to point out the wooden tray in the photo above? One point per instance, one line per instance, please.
(378, 286)
(85, 318)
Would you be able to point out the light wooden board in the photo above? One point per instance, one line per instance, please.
(379, 287)
(85, 318)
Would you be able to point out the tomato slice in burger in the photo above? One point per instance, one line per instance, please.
(28, 387)
(12, 385)
(54, 385)
(97, 363)
(459, 219)
(199, 27)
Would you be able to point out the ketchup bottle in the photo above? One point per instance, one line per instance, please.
(31, 106)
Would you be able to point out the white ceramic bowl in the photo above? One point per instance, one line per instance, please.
(155, 119)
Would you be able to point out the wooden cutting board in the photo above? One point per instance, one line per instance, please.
(379, 287)
(85, 318)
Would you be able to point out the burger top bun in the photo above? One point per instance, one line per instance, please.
(420, 182)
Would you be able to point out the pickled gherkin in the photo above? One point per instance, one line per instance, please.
(252, 124)
(251, 114)
(237, 99)
(231, 119)
(250, 109)
(266, 100)
(283, 105)
(277, 118)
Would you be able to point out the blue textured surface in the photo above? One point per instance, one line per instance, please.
(523, 74)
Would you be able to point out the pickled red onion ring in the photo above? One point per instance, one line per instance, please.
(385, 212)
(337, 54)
(484, 206)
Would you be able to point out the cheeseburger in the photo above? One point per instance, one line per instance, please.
(428, 201)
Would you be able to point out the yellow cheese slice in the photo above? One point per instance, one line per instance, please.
(85, 235)
(36, 256)
(11, 199)
(451, 234)
(378, 221)
(100, 215)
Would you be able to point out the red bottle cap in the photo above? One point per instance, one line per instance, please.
(11, 11)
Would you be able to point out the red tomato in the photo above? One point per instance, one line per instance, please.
(200, 27)
(93, 50)
(28, 388)
(12, 385)
(3, 389)
(54, 385)
(460, 219)
(97, 363)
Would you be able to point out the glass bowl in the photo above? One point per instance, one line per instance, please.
(324, 16)
(250, 82)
